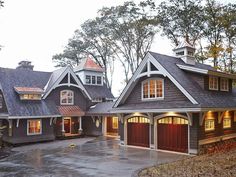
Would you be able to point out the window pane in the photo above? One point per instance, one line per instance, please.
(226, 123)
(34, 126)
(99, 80)
(209, 124)
(159, 88)
(145, 90)
(152, 88)
(93, 80)
(88, 79)
(67, 97)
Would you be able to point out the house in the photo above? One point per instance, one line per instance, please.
(177, 104)
(42, 106)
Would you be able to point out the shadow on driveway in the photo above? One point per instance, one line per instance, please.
(100, 157)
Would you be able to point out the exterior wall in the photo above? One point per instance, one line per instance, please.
(193, 130)
(219, 130)
(19, 134)
(198, 78)
(74, 126)
(171, 92)
(89, 127)
(109, 126)
(4, 107)
(79, 99)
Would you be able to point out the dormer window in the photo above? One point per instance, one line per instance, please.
(93, 80)
(213, 83)
(29, 93)
(153, 89)
(224, 84)
(67, 97)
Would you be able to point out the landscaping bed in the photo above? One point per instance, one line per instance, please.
(216, 164)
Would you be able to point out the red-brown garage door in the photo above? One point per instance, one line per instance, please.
(138, 131)
(172, 134)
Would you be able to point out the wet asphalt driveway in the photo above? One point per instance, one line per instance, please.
(102, 157)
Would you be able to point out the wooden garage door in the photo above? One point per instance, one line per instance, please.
(172, 134)
(138, 131)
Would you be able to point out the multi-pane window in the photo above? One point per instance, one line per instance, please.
(213, 83)
(138, 120)
(152, 89)
(173, 120)
(67, 97)
(224, 84)
(209, 124)
(34, 127)
(30, 97)
(227, 122)
(93, 79)
(88, 79)
(99, 80)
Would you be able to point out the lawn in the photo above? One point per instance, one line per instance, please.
(221, 164)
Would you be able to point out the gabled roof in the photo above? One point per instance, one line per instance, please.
(58, 75)
(88, 64)
(10, 78)
(169, 67)
(183, 44)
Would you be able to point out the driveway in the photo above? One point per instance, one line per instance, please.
(102, 157)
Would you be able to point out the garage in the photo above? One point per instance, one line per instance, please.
(138, 131)
(172, 134)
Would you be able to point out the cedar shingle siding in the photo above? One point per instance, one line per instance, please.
(171, 92)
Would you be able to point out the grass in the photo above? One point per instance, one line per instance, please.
(221, 164)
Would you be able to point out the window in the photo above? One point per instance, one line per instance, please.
(213, 83)
(115, 122)
(30, 97)
(209, 124)
(173, 120)
(152, 89)
(97, 100)
(138, 120)
(1, 101)
(88, 79)
(34, 127)
(227, 123)
(67, 97)
(224, 84)
(93, 79)
(99, 80)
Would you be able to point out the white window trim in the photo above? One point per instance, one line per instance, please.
(28, 133)
(72, 98)
(210, 88)
(222, 89)
(208, 119)
(156, 98)
(230, 123)
(96, 80)
(86, 79)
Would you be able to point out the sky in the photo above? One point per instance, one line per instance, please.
(35, 30)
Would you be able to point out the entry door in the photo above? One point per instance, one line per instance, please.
(172, 134)
(138, 131)
(67, 125)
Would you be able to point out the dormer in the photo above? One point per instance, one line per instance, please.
(29, 93)
(185, 51)
(89, 72)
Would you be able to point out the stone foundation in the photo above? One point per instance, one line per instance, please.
(223, 145)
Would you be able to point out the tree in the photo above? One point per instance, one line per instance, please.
(1, 3)
(212, 30)
(229, 29)
(89, 40)
(131, 30)
(181, 20)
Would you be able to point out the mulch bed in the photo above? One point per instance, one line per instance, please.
(222, 164)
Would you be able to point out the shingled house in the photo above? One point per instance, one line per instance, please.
(177, 104)
(41, 106)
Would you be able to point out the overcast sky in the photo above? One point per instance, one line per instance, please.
(35, 30)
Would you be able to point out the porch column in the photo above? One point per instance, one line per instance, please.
(10, 128)
(80, 124)
(62, 126)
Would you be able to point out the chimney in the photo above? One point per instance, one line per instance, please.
(25, 65)
(185, 51)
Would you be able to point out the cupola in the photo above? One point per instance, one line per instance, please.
(185, 51)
